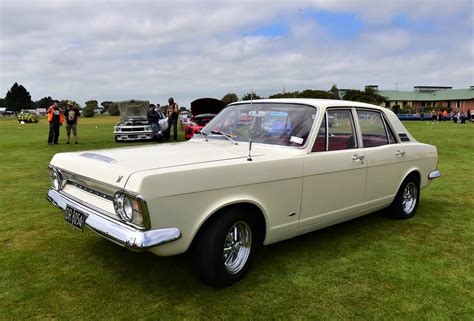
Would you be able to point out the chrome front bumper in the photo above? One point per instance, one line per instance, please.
(116, 231)
(133, 135)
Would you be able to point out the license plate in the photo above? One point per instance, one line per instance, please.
(75, 217)
(132, 136)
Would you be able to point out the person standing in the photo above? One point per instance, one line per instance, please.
(172, 112)
(55, 119)
(72, 117)
(153, 117)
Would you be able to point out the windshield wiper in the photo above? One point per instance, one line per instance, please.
(227, 136)
(203, 135)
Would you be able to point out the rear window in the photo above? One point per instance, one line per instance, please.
(374, 131)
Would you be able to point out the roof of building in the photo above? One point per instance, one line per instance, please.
(438, 95)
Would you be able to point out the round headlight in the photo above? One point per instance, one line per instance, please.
(56, 179)
(123, 206)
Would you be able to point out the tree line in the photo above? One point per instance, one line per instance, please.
(369, 95)
(18, 98)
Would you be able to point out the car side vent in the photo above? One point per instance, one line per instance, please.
(403, 137)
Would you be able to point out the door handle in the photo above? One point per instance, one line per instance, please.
(400, 153)
(358, 157)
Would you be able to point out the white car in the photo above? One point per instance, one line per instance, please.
(133, 123)
(297, 166)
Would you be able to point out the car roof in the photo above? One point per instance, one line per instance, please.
(322, 103)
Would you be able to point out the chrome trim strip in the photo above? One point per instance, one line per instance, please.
(434, 174)
(125, 133)
(116, 231)
(91, 191)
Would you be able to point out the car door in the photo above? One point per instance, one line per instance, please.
(334, 174)
(384, 157)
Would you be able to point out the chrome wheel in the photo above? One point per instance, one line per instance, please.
(409, 198)
(237, 245)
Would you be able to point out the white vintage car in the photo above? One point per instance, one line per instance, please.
(133, 123)
(297, 166)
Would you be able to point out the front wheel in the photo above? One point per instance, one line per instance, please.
(406, 201)
(224, 248)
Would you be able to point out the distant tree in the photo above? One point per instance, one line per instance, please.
(334, 91)
(3, 102)
(230, 98)
(105, 105)
(113, 109)
(63, 104)
(88, 111)
(293, 94)
(308, 93)
(250, 95)
(44, 102)
(367, 96)
(18, 98)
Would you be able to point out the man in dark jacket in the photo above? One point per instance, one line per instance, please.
(55, 119)
(172, 112)
(153, 117)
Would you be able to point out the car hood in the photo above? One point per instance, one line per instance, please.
(114, 166)
(206, 106)
(133, 109)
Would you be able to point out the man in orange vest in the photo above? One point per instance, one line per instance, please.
(55, 119)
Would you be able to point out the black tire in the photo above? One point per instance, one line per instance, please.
(406, 201)
(214, 240)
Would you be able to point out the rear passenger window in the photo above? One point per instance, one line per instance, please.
(373, 129)
(339, 133)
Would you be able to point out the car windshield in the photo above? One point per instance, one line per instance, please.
(267, 123)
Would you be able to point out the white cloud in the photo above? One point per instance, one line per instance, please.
(154, 49)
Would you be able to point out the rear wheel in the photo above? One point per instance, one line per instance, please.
(224, 248)
(406, 201)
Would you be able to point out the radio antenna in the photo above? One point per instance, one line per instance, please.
(250, 128)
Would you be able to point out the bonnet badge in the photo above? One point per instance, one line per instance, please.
(119, 179)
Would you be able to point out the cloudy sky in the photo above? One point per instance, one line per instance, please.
(116, 50)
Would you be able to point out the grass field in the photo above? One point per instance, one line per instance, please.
(371, 268)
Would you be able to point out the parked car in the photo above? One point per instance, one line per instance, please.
(417, 117)
(27, 117)
(133, 123)
(202, 111)
(222, 193)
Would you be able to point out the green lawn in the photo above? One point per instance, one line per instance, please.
(371, 268)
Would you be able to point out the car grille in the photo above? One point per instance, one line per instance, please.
(134, 129)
